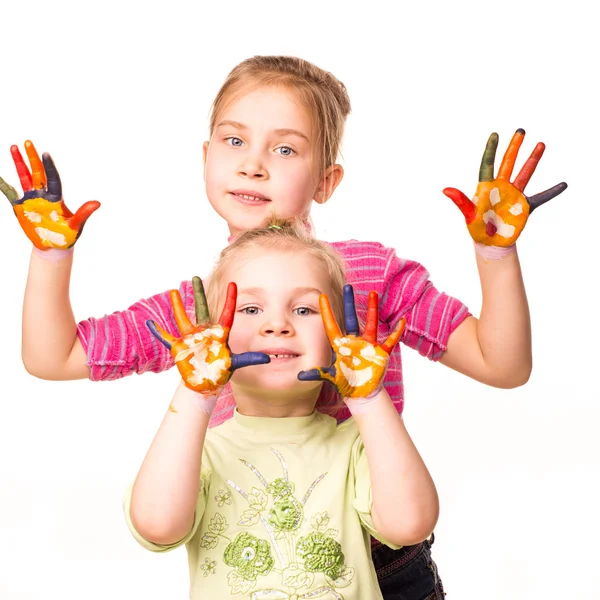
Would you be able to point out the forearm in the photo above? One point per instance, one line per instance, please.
(50, 346)
(165, 492)
(405, 502)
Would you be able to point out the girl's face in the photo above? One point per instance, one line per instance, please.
(278, 313)
(260, 159)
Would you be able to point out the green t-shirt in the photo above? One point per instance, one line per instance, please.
(284, 511)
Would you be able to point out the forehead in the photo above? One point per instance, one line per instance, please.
(277, 270)
(269, 107)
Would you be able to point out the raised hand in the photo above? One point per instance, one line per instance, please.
(359, 363)
(499, 210)
(201, 353)
(41, 212)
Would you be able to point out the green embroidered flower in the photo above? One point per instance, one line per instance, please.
(249, 555)
(223, 497)
(286, 515)
(321, 554)
(280, 488)
(209, 567)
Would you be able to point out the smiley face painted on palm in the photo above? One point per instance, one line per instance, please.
(499, 210)
(359, 362)
(201, 353)
(41, 212)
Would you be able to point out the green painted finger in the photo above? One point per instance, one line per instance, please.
(9, 191)
(202, 315)
(486, 170)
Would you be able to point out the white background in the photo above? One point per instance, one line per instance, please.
(119, 93)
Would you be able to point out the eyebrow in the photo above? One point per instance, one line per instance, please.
(299, 290)
(282, 131)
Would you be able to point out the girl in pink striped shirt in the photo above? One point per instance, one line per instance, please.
(275, 132)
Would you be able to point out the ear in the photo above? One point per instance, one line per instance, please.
(329, 181)
(204, 155)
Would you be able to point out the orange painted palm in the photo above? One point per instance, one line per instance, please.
(201, 353)
(359, 363)
(499, 210)
(41, 212)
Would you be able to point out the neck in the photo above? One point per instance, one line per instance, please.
(274, 404)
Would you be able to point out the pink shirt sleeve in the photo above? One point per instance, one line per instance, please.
(120, 344)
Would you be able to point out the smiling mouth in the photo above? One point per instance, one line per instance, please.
(282, 356)
(250, 198)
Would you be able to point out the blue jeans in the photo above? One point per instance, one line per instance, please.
(408, 573)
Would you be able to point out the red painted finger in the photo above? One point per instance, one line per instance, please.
(331, 327)
(510, 156)
(77, 221)
(183, 321)
(467, 208)
(226, 318)
(393, 338)
(22, 169)
(527, 170)
(370, 334)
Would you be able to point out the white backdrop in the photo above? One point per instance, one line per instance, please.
(119, 93)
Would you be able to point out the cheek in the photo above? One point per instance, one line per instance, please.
(239, 338)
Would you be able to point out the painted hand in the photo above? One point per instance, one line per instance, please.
(499, 210)
(41, 212)
(359, 363)
(201, 353)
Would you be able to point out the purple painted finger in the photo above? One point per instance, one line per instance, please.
(316, 374)
(156, 333)
(543, 197)
(350, 316)
(53, 184)
(248, 359)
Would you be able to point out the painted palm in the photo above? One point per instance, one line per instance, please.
(41, 211)
(499, 210)
(201, 353)
(359, 362)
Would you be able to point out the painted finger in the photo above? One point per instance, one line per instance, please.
(486, 169)
(394, 337)
(183, 321)
(527, 170)
(200, 304)
(370, 334)
(317, 374)
(53, 179)
(37, 168)
(22, 169)
(164, 337)
(331, 327)
(543, 197)
(467, 208)
(226, 318)
(248, 359)
(9, 191)
(77, 221)
(350, 316)
(510, 156)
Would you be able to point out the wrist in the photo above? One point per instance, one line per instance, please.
(53, 254)
(494, 252)
(187, 398)
(359, 406)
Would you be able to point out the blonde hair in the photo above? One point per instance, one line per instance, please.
(321, 93)
(280, 235)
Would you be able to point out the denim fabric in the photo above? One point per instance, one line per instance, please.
(408, 573)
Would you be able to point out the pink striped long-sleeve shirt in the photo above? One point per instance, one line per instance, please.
(120, 344)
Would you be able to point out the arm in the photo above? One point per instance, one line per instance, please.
(165, 492)
(51, 348)
(496, 349)
(405, 502)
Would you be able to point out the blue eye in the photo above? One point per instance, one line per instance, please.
(234, 141)
(251, 310)
(286, 151)
(303, 311)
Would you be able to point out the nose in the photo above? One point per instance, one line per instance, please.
(253, 166)
(277, 326)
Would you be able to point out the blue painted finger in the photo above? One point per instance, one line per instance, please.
(248, 359)
(154, 330)
(53, 185)
(350, 317)
(316, 374)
